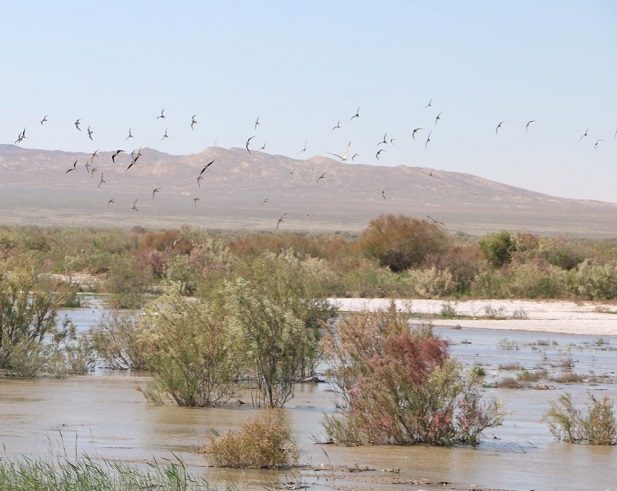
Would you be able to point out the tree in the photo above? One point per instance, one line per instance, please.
(277, 311)
(402, 242)
(30, 339)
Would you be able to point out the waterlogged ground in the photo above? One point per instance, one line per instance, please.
(104, 415)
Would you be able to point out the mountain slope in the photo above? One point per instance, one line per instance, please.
(242, 190)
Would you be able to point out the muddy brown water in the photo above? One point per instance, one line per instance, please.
(104, 415)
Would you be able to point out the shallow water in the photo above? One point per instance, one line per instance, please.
(105, 415)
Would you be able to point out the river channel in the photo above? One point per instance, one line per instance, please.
(104, 415)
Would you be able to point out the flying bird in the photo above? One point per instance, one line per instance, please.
(428, 139)
(438, 118)
(353, 157)
(499, 126)
(584, 134)
(134, 207)
(379, 152)
(130, 135)
(110, 202)
(90, 133)
(429, 104)
(154, 191)
(595, 145)
(304, 149)
(383, 194)
(384, 141)
(323, 176)
(165, 135)
(102, 181)
(162, 115)
(357, 115)
(434, 221)
(199, 178)
(195, 200)
(72, 168)
(263, 147)
(528, 123)
(280, 220)
(21, 137)
(248, 142)
(206, 166)
(77, 123)
(257, 123)
(44, 119)
(342, 158)
(115, 154)
(193, 121)
(413, 133)
(338, 125)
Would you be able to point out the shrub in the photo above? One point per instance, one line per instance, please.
(401, 387)
(400, 243)
(190, 350)
(567, 423)
(431, 282)
(128, 282)
(277, 311)
(264, 442)
(498, 248)
(595, 281)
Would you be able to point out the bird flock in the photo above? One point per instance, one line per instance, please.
(90, 165)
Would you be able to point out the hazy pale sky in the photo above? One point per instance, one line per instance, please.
(303, 66)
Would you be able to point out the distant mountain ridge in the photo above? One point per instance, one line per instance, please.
(243, 190)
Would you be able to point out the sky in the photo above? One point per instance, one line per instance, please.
(304, 67)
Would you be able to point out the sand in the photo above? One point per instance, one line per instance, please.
(594, 318)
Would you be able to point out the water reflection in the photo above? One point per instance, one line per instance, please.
(105, 415)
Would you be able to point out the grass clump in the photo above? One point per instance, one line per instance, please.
(263, 442)
(567, 422)
(87, 474)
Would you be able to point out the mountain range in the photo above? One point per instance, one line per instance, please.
(253, 191)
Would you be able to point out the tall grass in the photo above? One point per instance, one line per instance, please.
(87, 474)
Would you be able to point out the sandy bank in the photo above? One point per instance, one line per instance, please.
(542, 316)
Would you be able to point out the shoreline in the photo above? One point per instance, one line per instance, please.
(557, 316)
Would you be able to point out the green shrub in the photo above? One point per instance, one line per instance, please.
(567, 423)
(190, 350)
(595, 281)
(498, 248)
(264, 442)
(431, 282)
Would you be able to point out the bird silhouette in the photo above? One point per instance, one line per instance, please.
(248, 143)
(429, 104)
(595, 145)
(438, 118)
(304, 149)
(195, 200)
(44, 119)
(102, 181)
(21, 137)
(115, 154)
(357, 115)
(584, 134)
(206, 166)
(384, 141)
(165, 135)
(428, 139)
(499, 126)
(77, 123)
(72, 168)
(528, 123)
(413, 133)
(162, 115)
(434, 221)
(130, 135)
(90, 133)
(383, 194)
(110, 202)
(257, 123)
(323, 176)
(134, 207)
(338, 125)
(353, 157)
(263, 147)
(379, 153)
(280, 220)
(193, 121)
(154, 191)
